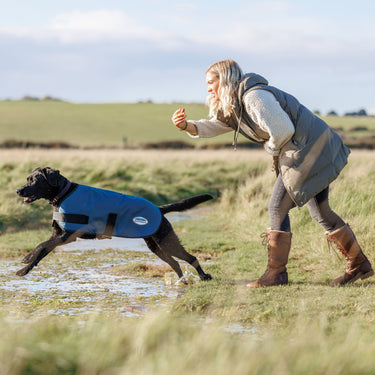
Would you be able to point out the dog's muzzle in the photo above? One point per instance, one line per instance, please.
(26, 198)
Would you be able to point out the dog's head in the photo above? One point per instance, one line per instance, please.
(42, 183)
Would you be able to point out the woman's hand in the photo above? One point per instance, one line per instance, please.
(179, 119)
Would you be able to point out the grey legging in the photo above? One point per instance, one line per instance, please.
(281, 203)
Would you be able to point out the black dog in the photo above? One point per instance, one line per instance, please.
(161, 239)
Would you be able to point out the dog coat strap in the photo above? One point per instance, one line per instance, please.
(111, 222)
(70, 218)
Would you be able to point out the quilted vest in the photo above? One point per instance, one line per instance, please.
(315, 155)
(98, 211)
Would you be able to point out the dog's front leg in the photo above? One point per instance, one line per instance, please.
(34, 257)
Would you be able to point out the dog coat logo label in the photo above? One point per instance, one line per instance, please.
(139, 220)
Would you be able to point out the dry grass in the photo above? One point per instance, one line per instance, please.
(306, 327)
(152, 156)
(149, 156)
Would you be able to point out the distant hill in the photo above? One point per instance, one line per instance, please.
(53, 123)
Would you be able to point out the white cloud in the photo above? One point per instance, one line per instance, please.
(278, 27)
(259, 27)
(97, 26)
(92, 27)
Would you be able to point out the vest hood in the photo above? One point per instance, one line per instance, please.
(250, 80)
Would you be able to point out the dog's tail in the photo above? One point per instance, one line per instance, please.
(185, 204)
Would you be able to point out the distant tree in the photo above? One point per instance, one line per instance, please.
(332, 113)
(30, 98)
(51, 98)
(361, 112)
(317, 112)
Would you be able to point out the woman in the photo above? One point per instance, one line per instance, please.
(308, 155)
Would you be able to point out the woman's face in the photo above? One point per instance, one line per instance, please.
(213, 82)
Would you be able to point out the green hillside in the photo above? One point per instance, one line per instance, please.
(116, 124)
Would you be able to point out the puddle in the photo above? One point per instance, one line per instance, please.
(81, 281)
(78, 278)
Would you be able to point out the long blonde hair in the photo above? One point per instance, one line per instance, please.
(229, 74)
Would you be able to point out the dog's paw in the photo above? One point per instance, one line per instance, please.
(207, 277)
(23, 271)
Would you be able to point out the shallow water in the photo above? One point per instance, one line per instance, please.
(78, 278)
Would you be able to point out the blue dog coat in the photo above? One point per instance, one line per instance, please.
(98, 211)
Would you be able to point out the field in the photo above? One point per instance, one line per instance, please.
(218, 327)
(129, 124)
(88, 125)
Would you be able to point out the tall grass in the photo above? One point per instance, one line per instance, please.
(162, 343)
(237, 225)
(306, 327)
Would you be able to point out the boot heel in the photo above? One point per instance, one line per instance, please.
(357, 265)
(368, 274)
(361, 276)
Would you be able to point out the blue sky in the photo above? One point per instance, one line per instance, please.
(323, 52)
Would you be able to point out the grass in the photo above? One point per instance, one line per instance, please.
(165, 343)
(123, 124)
(158, 176)
(306, 327)
(311, 264)
(92, 124)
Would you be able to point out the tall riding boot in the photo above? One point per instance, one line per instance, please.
(278, 251)
(357, 265)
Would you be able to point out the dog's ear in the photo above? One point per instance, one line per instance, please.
(52, 176)
(37, 170)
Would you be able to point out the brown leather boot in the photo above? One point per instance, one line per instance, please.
(357, 265)
(278, 251)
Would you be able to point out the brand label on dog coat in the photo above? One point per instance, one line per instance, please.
(98, 211)
(140, 220)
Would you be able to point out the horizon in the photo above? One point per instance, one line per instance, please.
(332, 112)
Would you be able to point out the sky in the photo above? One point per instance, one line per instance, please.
(90, 51)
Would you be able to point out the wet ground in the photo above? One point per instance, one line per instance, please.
(80, 278)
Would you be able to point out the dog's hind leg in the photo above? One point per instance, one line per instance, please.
(154, 247)
(171, 245)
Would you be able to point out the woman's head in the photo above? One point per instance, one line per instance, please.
(222, 80)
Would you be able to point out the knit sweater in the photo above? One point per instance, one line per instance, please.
(265, 111)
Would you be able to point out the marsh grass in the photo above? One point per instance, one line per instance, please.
(19, 243)
(242, 216)
(165, 343)
(306, 327)
(161, 177)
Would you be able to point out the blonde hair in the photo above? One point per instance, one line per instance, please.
(229, 74)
